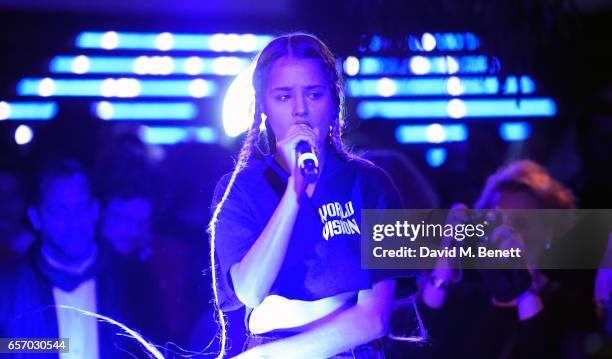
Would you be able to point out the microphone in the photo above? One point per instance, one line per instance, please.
(307, 161)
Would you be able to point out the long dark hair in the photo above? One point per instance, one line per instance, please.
(302, 46)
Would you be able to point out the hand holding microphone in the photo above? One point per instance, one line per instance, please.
(297, 152)
(307, 161)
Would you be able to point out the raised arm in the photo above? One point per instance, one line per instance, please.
(254, 275)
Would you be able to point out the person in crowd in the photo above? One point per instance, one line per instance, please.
(68, 273)
(124, 181)
(513, 313)
(16, 236)
(285, 233)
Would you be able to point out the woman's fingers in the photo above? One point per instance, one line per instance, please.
(286, 146)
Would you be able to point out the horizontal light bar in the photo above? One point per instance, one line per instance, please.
(122, 111)
(166, 41)
(445, 41)
(173, 135)
(456, 108)
(455, 86)
(514, 131)
(434, 133)
(116, 87)
(419, 65)
(148, 65)
(37, 111)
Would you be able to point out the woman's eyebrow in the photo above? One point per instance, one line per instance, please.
(282, 88)
(289, 88)
(312, 87)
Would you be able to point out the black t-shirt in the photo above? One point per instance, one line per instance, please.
(323, 255)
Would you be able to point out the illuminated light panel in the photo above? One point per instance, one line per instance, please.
(165, 41)
(5, 110)
(46, 87)
(168, 135)
(376, 43)
(228, 66)
(436, 157)
(148, 65)
(454, 86)
(351, 66)
(386, 87)
(456, 108)
(514, 131)
(23, 135)
(452, 65)
(38, 111)
(107, 110)
(103, 110)
(433, 86)
(434, 133)
(80, 64)
(428, 42)
(445, 41)
(526, 83)
(193, 65)
(121, 87)
(467, 108)
(238, 104)
(109, 40)
(198, 88)
(422, 65)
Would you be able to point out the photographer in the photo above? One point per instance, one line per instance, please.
(513, 313)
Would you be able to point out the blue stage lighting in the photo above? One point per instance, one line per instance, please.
(445, 41)
(527, 85)
(23, 135)
(371, 66)
(351, 66)
(514, 131)
(422, 65)
(238, 104)
(116, 87)
(434, 133)
(414, 44)
(428, 42)
(166, 41)
(436, 157)
(456, 108)
(376, 43)
(431, 86)
(148, 65)
(37, 111)
(107, 110)
(471, 42)
(172, 135)
(512, 83)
